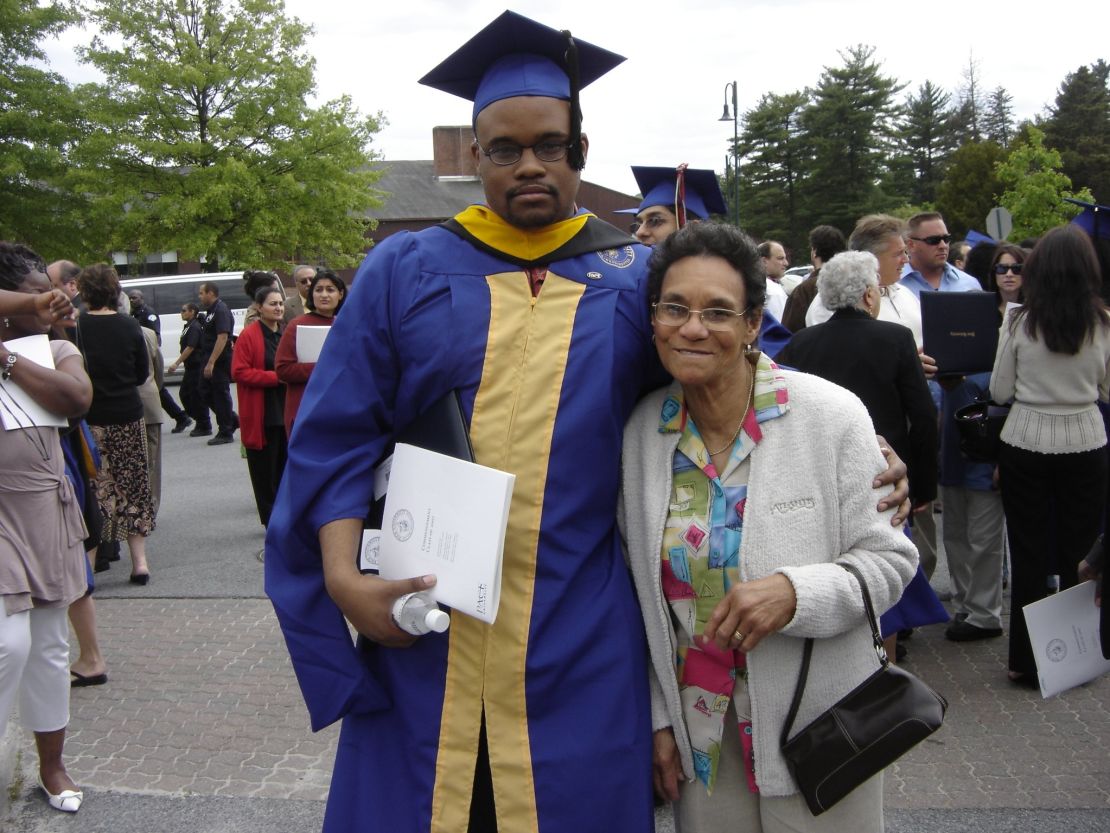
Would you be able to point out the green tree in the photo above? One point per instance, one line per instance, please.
(998, 120)
(927, 138)
(968, 191)
(851, 123)
(37, 119)
(205, 142)
(773, 154)
(1035, 188)
(1078, 126)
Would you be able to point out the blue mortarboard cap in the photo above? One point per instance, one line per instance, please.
(515, 56)
(703, 191)
(1093, 219)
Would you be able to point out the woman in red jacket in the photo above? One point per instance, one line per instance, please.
(262, 399)
(326, 294)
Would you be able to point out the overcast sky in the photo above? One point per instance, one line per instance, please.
(661, 107)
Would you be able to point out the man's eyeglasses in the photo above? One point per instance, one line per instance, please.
(653, 222)
(507, 153)
(715, 318)
(934, 239)
(1003, 268)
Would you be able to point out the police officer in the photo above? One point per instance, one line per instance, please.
(190, 357)
(217, 328)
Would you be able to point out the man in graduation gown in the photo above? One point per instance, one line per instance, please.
(673, 197)
(534, 311)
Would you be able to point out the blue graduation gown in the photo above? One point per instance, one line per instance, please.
(547, 384)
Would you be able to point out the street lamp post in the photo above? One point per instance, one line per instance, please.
(735, 119)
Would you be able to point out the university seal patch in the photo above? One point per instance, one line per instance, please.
(620, 258)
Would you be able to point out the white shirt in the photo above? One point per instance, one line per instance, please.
(776, 299)
(899, 305)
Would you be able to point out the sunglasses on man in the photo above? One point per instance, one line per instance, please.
(934, 239)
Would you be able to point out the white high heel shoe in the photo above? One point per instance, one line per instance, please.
(67, 801)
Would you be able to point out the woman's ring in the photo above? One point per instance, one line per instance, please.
(739, 637)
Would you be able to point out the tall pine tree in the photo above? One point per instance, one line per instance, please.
(1078, 126)
(851, 123)
(928, 139)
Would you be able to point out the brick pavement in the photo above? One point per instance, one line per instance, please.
(202, 702)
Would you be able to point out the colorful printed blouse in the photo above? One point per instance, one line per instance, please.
(701, 551)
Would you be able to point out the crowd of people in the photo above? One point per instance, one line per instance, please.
(692, 476)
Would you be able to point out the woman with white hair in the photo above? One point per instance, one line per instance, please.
(878, 362)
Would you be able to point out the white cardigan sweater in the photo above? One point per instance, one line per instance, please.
(810, 506)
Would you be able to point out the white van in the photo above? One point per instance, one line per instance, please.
(167, 294)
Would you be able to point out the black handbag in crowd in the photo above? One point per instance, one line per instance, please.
(980, 426)
(865, 731)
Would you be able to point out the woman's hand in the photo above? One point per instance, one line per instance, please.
(666, 765)
(54, 307)
(895, 473)
(752, 609)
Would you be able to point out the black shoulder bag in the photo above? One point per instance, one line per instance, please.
(864, 732)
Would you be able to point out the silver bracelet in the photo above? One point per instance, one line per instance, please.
(9, 363)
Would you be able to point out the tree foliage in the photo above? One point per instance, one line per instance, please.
(37, 126)
(1035, 188)
(998, 120)
(1078, 126)
(774, 155)
(928, 139)
(970, 187)
(851, 125)
(205, 142)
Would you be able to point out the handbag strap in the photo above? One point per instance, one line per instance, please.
(807, 654)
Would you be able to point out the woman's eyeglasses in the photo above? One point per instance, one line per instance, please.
(715, 318)
(1003, 268)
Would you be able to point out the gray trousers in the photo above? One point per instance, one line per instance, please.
(732, 806)
(973, 543)
(923, 533)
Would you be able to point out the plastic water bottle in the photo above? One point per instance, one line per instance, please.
(417, 613)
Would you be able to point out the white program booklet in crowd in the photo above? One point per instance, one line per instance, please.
(1063, 630)
(447, 517)
(17, 409)
(310, 341)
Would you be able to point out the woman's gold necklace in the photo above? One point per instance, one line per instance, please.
(743, 416)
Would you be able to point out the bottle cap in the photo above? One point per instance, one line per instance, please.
(437, 620)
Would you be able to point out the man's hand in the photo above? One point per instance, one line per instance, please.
(208, 369)
(895, 473)
(928, 364)
(1089, 573)
(666, 765)
(366, 601)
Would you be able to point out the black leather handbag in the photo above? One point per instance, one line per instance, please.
(864, 732)
(980, 426)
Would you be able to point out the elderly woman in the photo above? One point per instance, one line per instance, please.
(42, 560)
(117, 361)
(744, 487)
(878, 362)
(326, 294)
(882, 236)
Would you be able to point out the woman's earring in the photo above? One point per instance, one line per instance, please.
(7, 323)
(752, 352)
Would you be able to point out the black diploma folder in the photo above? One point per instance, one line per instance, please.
(960, 331)
(441, 428)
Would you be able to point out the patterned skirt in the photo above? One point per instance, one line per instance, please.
(123, 484)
